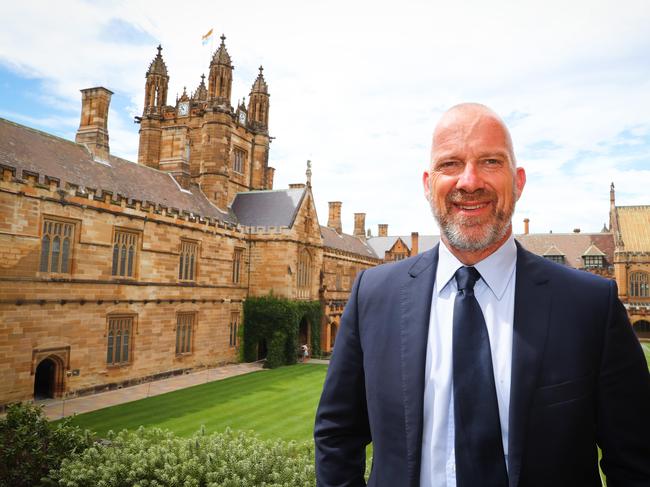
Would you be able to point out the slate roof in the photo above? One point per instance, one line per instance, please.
(31, 151)
(268, 208)
(572, 245)
(346, 243)
(634, 227)
(381, 244)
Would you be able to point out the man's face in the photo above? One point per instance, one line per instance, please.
(473, 184)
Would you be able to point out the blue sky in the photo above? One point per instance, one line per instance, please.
(358, 86)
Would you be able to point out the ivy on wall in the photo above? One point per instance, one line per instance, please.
(276, 321)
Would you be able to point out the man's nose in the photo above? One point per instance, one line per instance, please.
(470, 179)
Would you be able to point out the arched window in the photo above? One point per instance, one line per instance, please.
(639, 286)
(304, 274)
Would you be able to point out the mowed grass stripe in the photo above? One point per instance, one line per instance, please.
(279, 403)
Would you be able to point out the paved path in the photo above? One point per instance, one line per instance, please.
(58, 408)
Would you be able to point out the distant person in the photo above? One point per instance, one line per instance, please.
(304, 353)
(477, 363)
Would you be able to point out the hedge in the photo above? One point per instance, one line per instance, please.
(277, 321)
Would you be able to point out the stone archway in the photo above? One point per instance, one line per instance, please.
(304, 332)
(334, 328)
(45, 379)
(642, 328)
(49, 366)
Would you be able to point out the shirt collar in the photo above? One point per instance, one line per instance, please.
(496, 269)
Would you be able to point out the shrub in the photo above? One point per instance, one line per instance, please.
(153, 457)
(30, 445)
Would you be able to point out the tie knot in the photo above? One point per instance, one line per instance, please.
(466, 277)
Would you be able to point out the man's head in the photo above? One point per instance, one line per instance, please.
(473, 182)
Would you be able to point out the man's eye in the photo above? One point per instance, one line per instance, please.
(492, 162)
(446, 165)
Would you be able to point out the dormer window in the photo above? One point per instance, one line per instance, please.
(593, 261)
(558, 259)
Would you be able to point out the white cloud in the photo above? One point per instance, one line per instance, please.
(357, 87)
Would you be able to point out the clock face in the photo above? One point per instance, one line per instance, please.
(242, 117)
(183, 109)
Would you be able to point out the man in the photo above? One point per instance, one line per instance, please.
(478, 363)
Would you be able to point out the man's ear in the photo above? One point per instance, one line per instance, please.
(426, 183)
(520, 180)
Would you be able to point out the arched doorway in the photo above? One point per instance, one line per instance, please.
(262, 350)
(642, 328)
(333, 329)
(45, 379)
(303, 332)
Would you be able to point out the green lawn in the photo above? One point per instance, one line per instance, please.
(279, 403)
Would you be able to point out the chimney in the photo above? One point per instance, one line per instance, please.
(526, 227)
(334, 221)
(415, 243)
(576, 230)
(383, 229)
(93, 127)
(360, 225)
(270, 172)
(296, 185)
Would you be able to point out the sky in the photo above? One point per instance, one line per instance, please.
(357, 88)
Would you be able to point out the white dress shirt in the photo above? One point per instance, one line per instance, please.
(495, 293)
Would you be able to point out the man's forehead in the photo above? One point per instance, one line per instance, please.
(473, 123)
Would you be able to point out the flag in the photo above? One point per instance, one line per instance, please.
(206, 37)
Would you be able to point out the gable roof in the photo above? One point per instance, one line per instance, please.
(634, 227)
(572, 245)
(268, 208)
(346, 243)
(31, 151)
(381, 244)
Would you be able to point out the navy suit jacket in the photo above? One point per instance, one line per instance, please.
(579, 378)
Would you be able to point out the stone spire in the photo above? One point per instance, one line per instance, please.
(201, 92)
(220, 79)
(155, 90)
(258, 104)
(308, 173)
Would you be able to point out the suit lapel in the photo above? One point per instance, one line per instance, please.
(530, 327)
(415, 301)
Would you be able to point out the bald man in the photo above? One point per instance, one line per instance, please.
(478, 363)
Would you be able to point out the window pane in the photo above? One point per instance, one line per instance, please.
(56, 251)
(45, 253)
(188, 345)
(109, 353)
(180, 267)
(64, 255)
(118, 346)
(192, 268)
(116, 258)
(131, 257)
(123, 260)
(125, 346)
(178, 338)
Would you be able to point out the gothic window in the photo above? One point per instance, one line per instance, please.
(56, 246)
(639, 285)
(184, 329)
(234, 325)
(118, 350)
(236, 265)
(187, 260)
(304, 274)
(238, 159)
(593, 261)
(125, 249)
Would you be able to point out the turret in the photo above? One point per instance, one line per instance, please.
(155, 89)
(258, 104)
(220, 79)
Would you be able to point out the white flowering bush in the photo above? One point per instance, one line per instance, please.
(156, 458)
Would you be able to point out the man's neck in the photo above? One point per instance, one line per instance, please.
(471, 257)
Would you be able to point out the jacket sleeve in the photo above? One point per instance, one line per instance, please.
(623, 429)
(341, 432)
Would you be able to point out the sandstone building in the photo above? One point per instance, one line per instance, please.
(114, 273)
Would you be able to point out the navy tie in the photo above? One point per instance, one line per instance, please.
(479, 451)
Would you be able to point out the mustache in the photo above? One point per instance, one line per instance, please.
(462, 196)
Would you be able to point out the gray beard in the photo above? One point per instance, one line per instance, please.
(454, 230)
